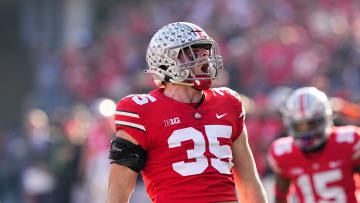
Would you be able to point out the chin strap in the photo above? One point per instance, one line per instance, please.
(197, 84)
(317, 148)
(202, 84)
(184, 83)
(160, 78)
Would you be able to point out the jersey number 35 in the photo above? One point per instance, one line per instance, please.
(223, 153)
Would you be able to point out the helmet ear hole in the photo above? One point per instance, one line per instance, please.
(163, 67)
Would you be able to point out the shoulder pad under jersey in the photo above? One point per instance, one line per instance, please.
(230, 97)
(348, 139)
(279, 153)
(130, 111)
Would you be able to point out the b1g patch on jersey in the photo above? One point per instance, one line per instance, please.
(172, 121)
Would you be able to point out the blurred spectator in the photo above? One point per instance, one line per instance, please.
(13, 156)
(96, 163)
(37, 178)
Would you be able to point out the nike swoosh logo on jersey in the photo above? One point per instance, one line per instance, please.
(220, 116)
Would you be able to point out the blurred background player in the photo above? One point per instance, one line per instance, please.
(189, 141)
(317, 158)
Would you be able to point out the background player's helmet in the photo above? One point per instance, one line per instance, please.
(308, 117)
(166, 45)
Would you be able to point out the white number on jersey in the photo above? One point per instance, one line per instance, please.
(221, 91)
(201, 161)
(346, 134)
(283, 147)
(321, 181)
(143, 99)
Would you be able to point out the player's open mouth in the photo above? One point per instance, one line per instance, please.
(205, 68)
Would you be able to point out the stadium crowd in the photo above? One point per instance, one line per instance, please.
(59, 154)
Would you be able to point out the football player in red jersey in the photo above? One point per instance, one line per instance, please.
(188, 140)
(318, 159)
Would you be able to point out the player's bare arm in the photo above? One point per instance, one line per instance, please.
(248, 185)
(122, 179)
(282, 186)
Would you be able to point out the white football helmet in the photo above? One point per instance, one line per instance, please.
(308, 118)
(171, 40)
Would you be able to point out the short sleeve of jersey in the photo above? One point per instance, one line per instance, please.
(128, 117)
(241, 126)
(355, 157)
(278, 155)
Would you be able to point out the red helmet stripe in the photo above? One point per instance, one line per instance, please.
(201, 35)
(198, 31)
(302, 110)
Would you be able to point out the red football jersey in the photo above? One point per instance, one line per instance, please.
(189, 149)
(324, 176)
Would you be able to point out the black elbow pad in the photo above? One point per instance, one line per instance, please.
(125, 153)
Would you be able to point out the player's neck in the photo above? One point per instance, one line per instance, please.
(182, 93)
